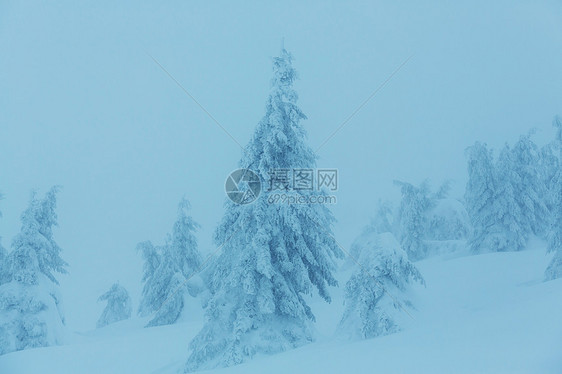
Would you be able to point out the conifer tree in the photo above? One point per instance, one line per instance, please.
(182, 247)
(118, 307)
(377, 296)
(272, 254)
(168, 268)
(30, 303)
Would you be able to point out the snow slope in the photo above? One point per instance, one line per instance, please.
(489, 313)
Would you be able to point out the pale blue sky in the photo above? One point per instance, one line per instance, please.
(83, 106)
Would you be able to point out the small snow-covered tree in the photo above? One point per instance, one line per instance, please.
(168, 268)
(554, 269)
(182, 247)
(118, 306)
(411, 219)
(272, 254)
(30, 303)
(36, 238)
(378, 294)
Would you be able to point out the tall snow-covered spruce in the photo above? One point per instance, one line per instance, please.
(378, 294)
(167, 270)
(272, 254)
(30, 303)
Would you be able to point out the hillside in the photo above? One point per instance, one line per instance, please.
(489, 313)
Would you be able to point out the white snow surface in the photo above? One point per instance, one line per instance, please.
(488, 313)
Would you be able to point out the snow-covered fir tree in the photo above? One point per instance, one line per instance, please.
(411, 219)
(182, 247)
(30, 303)
(167, 270)
(554, 269)
(118, 307)
(530, 191)
(378, 294)
(272, 254)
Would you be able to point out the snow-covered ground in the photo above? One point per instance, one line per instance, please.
(489, 313)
